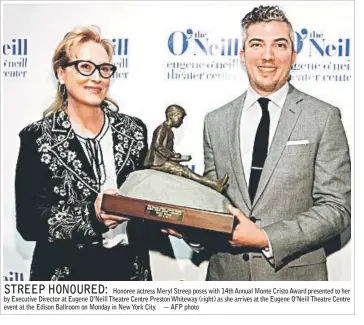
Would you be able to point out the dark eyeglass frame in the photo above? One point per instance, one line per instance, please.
(97, 67)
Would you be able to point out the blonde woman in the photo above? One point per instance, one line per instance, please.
(82, 148)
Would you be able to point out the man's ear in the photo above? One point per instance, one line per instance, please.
(294, 57)
(242, 55)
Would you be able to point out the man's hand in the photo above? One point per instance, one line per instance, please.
(247, 233)
(109, 220)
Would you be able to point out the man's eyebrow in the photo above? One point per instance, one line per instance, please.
(255, 40)
(281, 39)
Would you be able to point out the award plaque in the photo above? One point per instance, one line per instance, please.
(169, 192)
(184, 193)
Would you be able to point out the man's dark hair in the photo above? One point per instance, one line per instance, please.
(265, 14)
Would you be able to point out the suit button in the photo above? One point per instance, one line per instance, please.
(245, 257)
(253, 219)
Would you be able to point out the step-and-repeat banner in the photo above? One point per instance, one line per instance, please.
(185, 53)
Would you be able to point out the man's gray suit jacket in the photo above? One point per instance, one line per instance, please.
(303, 197)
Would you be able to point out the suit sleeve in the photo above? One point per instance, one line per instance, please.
(330, 213)
(37, 218)
(210, 168)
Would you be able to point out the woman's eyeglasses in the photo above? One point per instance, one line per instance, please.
(87, 68)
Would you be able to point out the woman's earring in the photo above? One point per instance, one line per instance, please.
(62, 89)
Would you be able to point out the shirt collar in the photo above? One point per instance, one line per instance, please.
(278, 97)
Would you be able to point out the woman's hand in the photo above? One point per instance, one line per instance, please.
(109, 220)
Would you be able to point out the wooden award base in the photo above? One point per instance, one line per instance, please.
(168, 213)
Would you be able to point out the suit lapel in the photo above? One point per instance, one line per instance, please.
(289, 116)
(234, 120)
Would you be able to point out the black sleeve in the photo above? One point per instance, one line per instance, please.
(144, 151)
(37, 216)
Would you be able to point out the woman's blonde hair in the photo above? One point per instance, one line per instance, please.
(62, 55)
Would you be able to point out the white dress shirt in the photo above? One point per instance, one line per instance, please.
(118, 235)
(250, 118)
